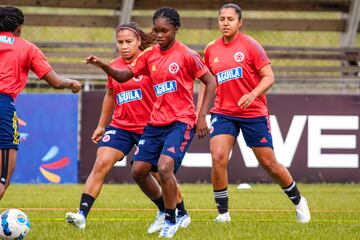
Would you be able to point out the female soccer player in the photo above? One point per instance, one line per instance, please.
(18, 56)
(173, 68)
(130, 105)
(243, 75)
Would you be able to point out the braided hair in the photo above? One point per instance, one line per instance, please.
(146, 39)
(234, 6)
(10, 18)
(169, 14)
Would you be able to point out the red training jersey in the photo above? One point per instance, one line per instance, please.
(18, 56)
(173, 73)
(236, 66)
(134, 100)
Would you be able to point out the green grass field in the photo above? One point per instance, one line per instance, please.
(123, 212)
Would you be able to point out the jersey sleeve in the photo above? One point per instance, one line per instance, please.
(196, 65)
(109, 84)
(258, 54)
(139, 66)
(38, 63)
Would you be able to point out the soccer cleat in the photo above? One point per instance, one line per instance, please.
(222, 218)
(168, 230)
(158, 223)
(302, 211)
(183, 221)
(76, 219)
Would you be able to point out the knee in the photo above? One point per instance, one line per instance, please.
(138, 175)
(100, 167)
(165, 172)
(219, 159)
(269, 164)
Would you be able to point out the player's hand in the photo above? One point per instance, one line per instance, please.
(75, 86)
(246, 100)
(201, 127)
(94, 60)
(97, 134)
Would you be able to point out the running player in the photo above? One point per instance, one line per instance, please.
(130, 105)
(18, 57)
(243, 75)
(173, 68)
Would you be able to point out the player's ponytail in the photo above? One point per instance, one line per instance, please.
(10, 18)
(146, 39)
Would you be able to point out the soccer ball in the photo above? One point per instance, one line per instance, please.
(14, 224)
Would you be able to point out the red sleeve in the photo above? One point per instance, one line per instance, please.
(196, 65)
(139, 66)
(206, 57)
(38, 63)
(258, 54)
(109, 84)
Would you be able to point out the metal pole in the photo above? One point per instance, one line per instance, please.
(126, 11)
(352, 24)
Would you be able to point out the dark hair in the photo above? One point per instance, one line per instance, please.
(10, 18)
(169, 14)
(233, 6)
(146, 39)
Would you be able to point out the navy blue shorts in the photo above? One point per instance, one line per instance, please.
(256, 131)
(9, 135)
(119, 139)
(172, 140)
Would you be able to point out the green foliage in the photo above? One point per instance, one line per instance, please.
(123, 212)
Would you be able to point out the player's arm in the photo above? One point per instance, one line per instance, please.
(117, 74)
(267, 79)
(206, 99)
(60, 82)
(200, 97)
(107, 109)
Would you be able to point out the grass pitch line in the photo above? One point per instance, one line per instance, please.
(190, 209)
(198, 220)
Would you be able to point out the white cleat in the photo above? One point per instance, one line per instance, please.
(76, 219)
(183, 221)
(302, 211)
(222, 218)
(168, 230)
(158, 223)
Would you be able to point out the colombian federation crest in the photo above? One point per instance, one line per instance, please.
(174, 68)
(138, 79)
(239, 57)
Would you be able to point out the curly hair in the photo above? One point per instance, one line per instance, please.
(10, 18)
(169, 14)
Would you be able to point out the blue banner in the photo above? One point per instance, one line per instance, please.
(48, 149)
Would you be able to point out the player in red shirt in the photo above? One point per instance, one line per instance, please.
(18, 57)
(130, 105)
(173, 68)
(243, 75)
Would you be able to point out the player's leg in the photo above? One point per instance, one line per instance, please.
(223, 133)
(145, 160)
(105, 160)
(176, 144)
(114, 145)
(258, 136)
(7, 166)
(220, 148)
(9, 141)
(182, 216)
(281, 175)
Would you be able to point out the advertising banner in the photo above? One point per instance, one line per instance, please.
(48, 149)
(317, 137)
